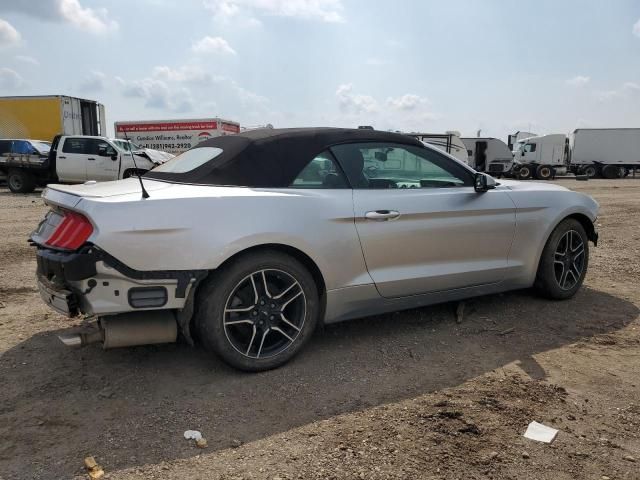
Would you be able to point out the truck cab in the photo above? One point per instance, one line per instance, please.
(81, 158)
(540, 157)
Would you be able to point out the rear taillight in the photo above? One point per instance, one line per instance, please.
(71, 232)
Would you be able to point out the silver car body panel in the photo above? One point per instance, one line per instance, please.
(446, 244)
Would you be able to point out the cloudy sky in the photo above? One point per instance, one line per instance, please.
(496, 65)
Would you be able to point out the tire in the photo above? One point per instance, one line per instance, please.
(20, 181)
(564, 261)
(591, 171)
(239, 320)
(611, 172)
(524, 172)
(544, 172)
(132, 173)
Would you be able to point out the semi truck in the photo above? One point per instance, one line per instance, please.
(488, 154)
(594, 152)
(174, 136)
(514, 138)
(44, 117)
(70, 159)
(541, 157)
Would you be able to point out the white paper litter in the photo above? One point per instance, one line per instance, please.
(192, 435)
(541, 433)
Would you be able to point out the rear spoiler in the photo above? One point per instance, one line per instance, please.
(55, 197)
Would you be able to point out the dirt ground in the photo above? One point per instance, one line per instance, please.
(404, 395)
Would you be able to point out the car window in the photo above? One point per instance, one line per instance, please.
(530, 147)
(381, 166)
(189, 160)
(22, 147)
(77, 145)
(321, 172)
(42, 147)
(100, 147)
(126, 146)
(5, 146)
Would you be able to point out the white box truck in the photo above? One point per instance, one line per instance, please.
(487, 154)
(449, 142)
(45, 116)
(606, 152)
(174, 136)
(594, 152)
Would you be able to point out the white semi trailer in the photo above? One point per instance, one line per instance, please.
(487, 154)
(606, 152)
(595, 152)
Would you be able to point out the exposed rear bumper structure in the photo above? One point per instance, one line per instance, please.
(93, 282)
(133, 307)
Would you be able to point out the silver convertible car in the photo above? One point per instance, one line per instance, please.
(246, 243)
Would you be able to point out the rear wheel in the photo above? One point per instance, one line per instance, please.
(591, 171)
(257, 312)
(611, 171)
(564, 261)
(524, 172)
(20, 181)
(132, 173)
(544, 172)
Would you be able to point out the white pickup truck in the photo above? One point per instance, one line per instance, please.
(72, 159)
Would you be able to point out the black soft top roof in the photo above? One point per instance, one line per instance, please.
(271, 157)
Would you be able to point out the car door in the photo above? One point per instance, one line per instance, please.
(422, 226)
(101, 165)
(71, 159)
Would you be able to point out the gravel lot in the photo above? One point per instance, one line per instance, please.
(405, 395)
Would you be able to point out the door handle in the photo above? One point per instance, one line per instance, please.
(90, 158)
(381, 215)
(62, 157)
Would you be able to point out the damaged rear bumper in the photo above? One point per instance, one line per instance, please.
(93, 282)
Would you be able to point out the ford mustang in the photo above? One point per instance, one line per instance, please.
(246, 243)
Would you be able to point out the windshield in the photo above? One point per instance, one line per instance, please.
(42, 147)
(189, 160)
(125, 145)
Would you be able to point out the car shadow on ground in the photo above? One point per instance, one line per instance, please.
(130, 407)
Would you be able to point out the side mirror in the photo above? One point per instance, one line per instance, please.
(522, 153)
(483, 182)
(114, 156)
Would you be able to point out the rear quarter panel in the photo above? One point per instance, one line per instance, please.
(199, 227)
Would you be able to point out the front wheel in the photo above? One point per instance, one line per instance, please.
(257, 312)
(564, 261)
